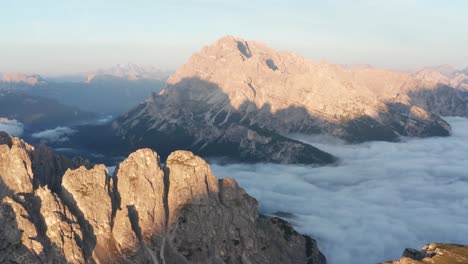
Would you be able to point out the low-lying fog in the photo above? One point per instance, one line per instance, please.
(382, 198)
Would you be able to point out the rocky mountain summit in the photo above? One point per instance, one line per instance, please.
(55, 210)
(445, 75)
(239, 98)
(21, 78)
(128, 71)
(434, 253)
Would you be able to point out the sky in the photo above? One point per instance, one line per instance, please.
(63, 37)
(384, 197)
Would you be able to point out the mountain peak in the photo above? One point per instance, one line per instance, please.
(230, 39)
(231, 47)
(228, 45)
(129, 71)
(30, 79)
(444, 74)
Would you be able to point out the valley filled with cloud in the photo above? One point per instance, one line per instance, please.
(379, 199)
(58, 134)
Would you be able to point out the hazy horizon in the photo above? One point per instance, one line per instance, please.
(56, 37)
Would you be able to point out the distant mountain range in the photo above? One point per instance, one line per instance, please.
(129, 71)
(240, 99)
(38, 113)
(11, 80)
(444, 74)
(111, 91)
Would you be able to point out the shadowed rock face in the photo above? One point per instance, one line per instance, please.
(236, 98)
(37, 112)
(144, 213)
(434, 253)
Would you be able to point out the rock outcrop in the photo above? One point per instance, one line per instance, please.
(139, 201)
(48, 167)
(146, 212)
(434, 253)
(236, 98)
(15, 166)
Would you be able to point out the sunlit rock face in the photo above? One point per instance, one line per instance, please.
(145, 212)
(20, 78)
(434, 253)
(128, 71)
(139, 201)
(16, 166)
(444, 74)
(234, 88)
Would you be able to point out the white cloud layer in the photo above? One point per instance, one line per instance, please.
(58, 134)
(11, 126)
(382, 198)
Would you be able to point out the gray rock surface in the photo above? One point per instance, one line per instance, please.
(444, 74)
(146, 212)
(236, 98)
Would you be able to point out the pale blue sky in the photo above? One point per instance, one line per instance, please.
(66, 36)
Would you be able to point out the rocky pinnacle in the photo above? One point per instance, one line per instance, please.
(146, 212)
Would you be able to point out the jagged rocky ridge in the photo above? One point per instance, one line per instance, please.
(237, 98)
(435, 253)
(21, 79)
(144, 213)
(129, 71)
(444, 74)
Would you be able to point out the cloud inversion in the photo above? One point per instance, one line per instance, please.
(382, 198)
(58, 134)
(11, 126)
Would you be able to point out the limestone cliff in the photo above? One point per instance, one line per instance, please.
(237, 98)
(444, 74)
(146, 212)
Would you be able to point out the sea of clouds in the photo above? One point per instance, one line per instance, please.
(380, 199)
(58, 134)
(11, 126)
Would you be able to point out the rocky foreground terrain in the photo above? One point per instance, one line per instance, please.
(57, 210)
(434, 253)
(238, 98)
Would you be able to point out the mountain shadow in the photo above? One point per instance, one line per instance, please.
(38, 113)
(20, 211)
(186, 124)
(196, 115)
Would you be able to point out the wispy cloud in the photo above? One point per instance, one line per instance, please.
(11, 126)
(58, 134)
(383, 198)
